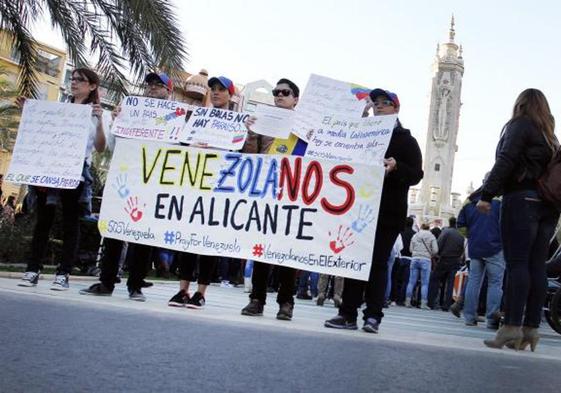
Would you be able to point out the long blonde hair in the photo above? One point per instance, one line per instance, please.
(533, 105)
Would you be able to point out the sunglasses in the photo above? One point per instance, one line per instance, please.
(383, 103)
(78, 79)
(155, 84)
(283, 92)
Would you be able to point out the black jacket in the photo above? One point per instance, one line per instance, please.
(521, 158)
(406, 237)
(393, 205)
(450, 243)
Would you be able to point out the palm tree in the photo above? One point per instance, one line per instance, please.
(142, 32)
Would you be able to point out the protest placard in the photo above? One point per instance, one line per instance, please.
(51, 144)
(212, 127)
(150, 119)
(272, 121)
(352, 140)
(325, 96)
(286, 210)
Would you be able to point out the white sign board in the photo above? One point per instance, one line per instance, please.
(51, 144)
(272, 121)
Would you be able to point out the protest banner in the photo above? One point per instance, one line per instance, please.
(272, 121)
(293, 211)
(212, 127)
(51, 144)
(362, 140)
(323, 96)
(150, 119)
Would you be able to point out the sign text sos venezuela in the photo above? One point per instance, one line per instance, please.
(295, 211)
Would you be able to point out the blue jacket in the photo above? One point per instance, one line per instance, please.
(483, 230)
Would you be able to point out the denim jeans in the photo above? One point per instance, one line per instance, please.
(419, 266)
(527, 226)
(303, 282)
(493, 267)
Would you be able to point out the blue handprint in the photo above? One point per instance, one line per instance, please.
(120, 186)
(365, 217)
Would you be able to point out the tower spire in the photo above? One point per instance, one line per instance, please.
(452, 32)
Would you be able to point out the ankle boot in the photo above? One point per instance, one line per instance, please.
(530, 337)
(424, 305)
(408, 302)
(506, 334)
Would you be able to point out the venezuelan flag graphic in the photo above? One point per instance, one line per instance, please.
(360, 92)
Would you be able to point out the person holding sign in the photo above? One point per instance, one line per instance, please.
(85, 90)
(160, 86)
(286, 95)
(221, 91)
(403, 163)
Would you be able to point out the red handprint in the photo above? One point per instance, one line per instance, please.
(179, 111)
(133, 210)
(341, 241)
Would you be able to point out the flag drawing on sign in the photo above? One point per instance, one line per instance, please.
(359, 91)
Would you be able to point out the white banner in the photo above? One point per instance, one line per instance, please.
(51, 144)
(212, 127)
(273, 121)
(307, 214)
(325, 96)
(150, 119)
(363, 140)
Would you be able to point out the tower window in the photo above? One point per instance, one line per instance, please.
(436, 167)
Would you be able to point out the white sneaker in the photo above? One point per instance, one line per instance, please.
(226, 284)
(29, 279)
(60, 283)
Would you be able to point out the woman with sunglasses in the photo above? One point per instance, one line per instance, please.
(75, 202)
(527, 222)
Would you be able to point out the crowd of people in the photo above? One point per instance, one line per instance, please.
(507, 240)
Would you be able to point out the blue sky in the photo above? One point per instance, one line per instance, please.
(508, 46)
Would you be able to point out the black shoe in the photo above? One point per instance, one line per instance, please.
(456, 309)
(371, 325)
(387, 304)
(253, 309)
(196, 302)
(136, 295)
(340, 322)
(179, 299)
(97, 290)
(285, 312)
(146, 284)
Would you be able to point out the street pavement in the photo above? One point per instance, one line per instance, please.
(66, 342)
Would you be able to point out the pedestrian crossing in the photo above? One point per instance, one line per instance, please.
(401, 325)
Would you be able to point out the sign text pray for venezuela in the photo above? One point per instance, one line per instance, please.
(285, 210)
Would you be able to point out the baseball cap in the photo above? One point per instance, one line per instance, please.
(225, 82)
(386, 93)
(162, 77)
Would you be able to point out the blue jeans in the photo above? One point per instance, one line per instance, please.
(419, 266)
(493, 267)
(527, 226)
(391, 261)
(303, 282)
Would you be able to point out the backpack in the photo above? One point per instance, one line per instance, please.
(549, 183)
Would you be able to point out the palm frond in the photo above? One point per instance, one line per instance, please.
(23, 43)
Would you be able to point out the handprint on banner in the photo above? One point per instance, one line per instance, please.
(133, 209)
(341, 241)
(120, 186)
(365, 217)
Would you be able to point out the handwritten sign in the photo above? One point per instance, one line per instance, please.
(51, 144)
(273, 121)
(212, 127)
(150, 119)
(352, 140)
(285, 210)
(323, 96)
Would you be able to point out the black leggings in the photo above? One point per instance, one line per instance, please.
(187, 263)
(70, 225)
